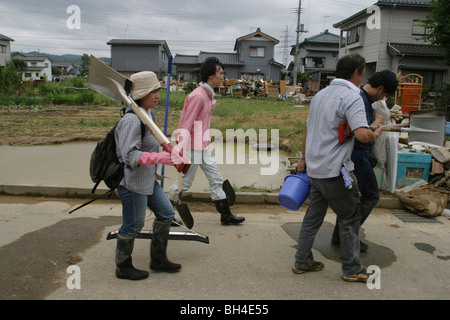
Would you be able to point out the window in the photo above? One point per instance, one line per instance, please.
(2, 49)
(257, 52)
(419, 29)
(353, 35)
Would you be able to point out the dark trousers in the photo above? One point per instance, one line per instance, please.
(367, 184)
(345, 203)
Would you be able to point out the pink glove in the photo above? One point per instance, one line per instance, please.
(151, 158)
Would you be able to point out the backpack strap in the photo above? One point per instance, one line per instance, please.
(142, 124)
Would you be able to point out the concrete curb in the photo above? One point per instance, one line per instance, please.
(85, 193)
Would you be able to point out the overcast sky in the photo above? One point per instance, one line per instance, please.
(188, 26)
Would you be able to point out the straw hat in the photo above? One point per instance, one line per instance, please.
(144, 82)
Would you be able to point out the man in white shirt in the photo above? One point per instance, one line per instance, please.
(336, 116)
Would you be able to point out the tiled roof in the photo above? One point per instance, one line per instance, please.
(325, 42)
(414, 3)
(324, 37)
(136, 41)
(3, 37)
(224, 57)
(398, 3)
(258, 33)
(140, 42)
(407, 49)
(185, 59)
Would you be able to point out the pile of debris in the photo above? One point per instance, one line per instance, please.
(423, 161)
(259, 88)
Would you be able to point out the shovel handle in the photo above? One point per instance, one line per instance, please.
(160, 137)
(391, 128)
(185, 163)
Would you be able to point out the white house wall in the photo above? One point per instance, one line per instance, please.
(5, 56)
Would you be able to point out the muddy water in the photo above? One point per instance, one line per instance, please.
(67, 165)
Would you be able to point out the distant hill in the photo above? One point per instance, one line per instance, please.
(72, 58)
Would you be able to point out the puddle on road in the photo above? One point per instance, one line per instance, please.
(430, 249)
(425, 247)
(31, 267)
(376, 255)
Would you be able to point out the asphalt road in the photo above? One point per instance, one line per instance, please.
(250, 262)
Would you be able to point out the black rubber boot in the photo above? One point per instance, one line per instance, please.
(158, 249)
(226, 217)
(124, 264)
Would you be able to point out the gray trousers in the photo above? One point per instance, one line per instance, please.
(345, 203)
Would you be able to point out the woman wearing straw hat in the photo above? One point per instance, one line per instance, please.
(139, 188)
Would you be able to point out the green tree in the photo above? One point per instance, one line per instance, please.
(302, 78)
(438, 27)
(20, 65)
(56, 72)
(9, 79)
(85, 59)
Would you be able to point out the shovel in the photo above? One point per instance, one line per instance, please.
(113, 85)
(402, 128)
(182, 208)
(434, 120)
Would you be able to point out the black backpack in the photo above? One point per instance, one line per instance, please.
(105, 166)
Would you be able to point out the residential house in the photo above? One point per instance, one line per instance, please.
(68, 69)
(5, 49)
(253, 58)
(38, 67)
(188, 66)
(131, 56)
(388, 35)
(318, 56)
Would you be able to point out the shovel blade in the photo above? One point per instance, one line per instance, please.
(418, 130)
(185, 214)
(99, 80)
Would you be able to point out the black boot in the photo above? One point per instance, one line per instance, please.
(226, 217)
(124, 265)
(158, 249)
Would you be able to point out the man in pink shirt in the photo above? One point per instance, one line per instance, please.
(193, 130)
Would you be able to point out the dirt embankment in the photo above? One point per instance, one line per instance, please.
(57, 124)
(63, 124)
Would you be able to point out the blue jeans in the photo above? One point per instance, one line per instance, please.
(134, 209)
(345, 203)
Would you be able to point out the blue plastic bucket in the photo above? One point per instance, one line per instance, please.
(295, 191)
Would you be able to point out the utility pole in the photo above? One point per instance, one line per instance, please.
(285, 47)
(297, 42)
